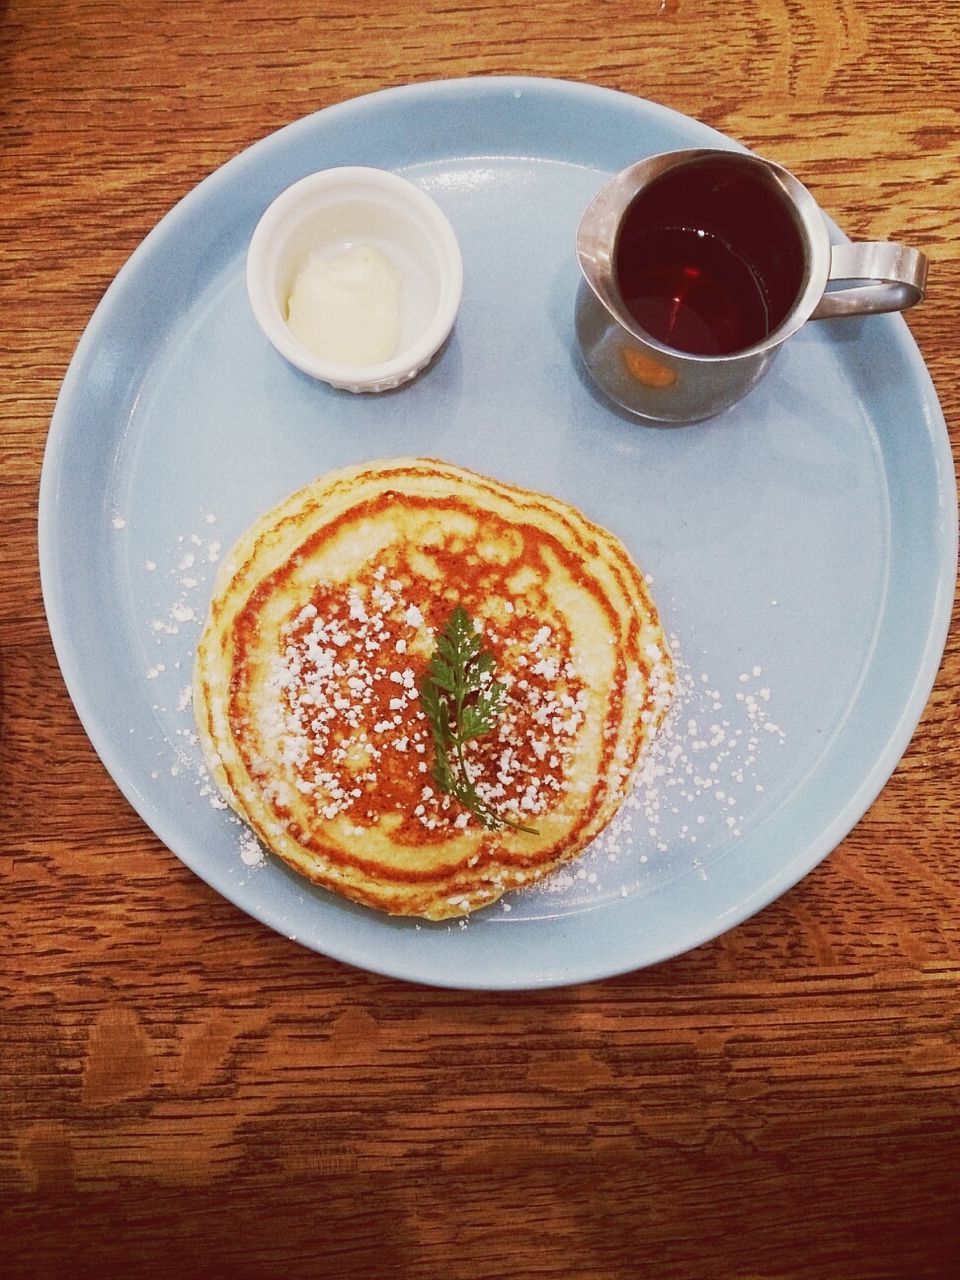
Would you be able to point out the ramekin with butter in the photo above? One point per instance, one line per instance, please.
(355, 275)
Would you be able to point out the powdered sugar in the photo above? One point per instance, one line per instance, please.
(343, 719)
(178, 581)
(693, 786)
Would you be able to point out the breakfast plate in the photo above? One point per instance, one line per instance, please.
(801, 548)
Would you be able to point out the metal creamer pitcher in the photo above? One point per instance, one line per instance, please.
(698, 265)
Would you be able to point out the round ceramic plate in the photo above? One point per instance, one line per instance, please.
(802, 547)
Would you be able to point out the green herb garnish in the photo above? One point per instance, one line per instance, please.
(462, 701)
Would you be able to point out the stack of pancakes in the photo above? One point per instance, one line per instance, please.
(308, 675)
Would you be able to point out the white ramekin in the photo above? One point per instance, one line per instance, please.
(335, 209)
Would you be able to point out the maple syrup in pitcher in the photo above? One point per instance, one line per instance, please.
(710, 259)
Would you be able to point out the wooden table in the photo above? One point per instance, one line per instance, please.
(185, 1092)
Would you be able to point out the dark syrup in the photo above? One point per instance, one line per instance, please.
(688, 290)
(709, 259)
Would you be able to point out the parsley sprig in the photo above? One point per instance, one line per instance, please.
(462, 701)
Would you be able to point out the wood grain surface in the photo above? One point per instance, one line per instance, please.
(184, 1092)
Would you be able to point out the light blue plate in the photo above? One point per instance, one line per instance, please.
(802, 547)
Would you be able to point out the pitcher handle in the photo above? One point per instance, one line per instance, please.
(889, 277)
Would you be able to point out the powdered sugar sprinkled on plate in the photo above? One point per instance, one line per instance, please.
(694, 783)
(182, 578)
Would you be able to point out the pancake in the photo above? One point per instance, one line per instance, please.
(312, 670)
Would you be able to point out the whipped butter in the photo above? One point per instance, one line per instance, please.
(346, 308)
